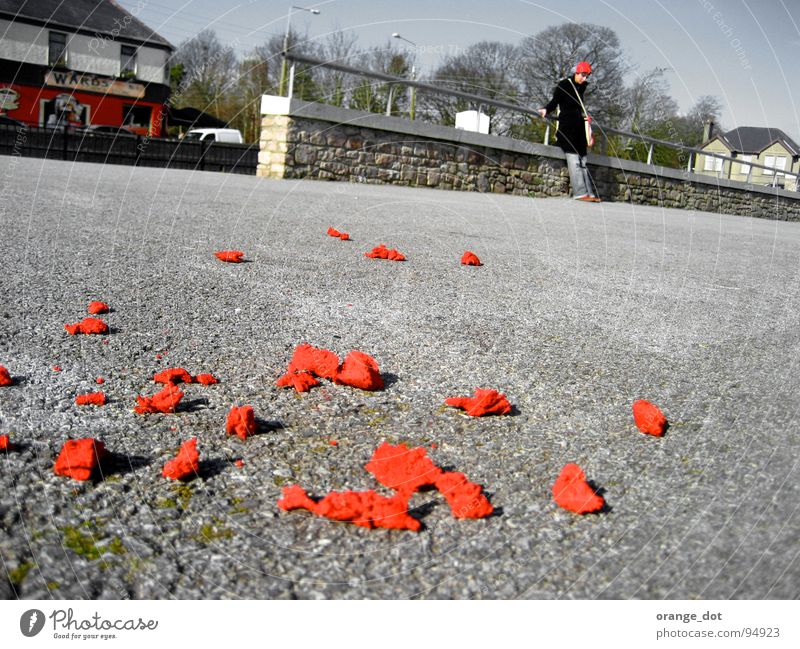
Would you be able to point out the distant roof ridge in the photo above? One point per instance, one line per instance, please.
(754, 139)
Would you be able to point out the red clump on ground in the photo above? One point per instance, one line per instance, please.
(230, 256)
(165, 401)
(572, 492)
(241, 422)
(185, 464)
(5, 443)
(344, 236)
(470, 259)
(5, 377)
(649, 418)
(402, 469)
(56, 368)
(98, 307)
(99, 380)
(360, 370)
(333, 232)
(87, 326)
(80, 458)
(320, 362)
(300, 381)
(382, 252)
(239, 463)
(364, 508)
(206, 379)
(333, 442)
(173, 375)
(91, 399)
(485, 402)
(465, 498)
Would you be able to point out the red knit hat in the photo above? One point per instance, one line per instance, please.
(583, 66)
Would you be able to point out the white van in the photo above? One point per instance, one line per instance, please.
(230, 135)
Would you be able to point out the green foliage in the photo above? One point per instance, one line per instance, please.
(18, 574)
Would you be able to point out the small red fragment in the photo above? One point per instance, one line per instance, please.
(166, 400)
(158, 357)
(230, 256)
(465, 498)
(382, 252)
(402, 469)
(205, 379)
(99, 380)
(364, 508)
(344, 236)
(98, 307)
(333, 442)
(56, 368)
(470, 259)
(185, 464)
(173, 375)
(5, 443)
(5, 377)
(333, 232)
(572, 492)
(360, 370)
(239, 463)
(320, 362)
(649, 418)
(80, 458)
(485, 402)
(87, 326)
(241, 422)
(300, 381)
(91, 399)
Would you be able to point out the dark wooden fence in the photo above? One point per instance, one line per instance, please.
(106, 148)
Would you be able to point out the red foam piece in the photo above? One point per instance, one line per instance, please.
(470, 259)
(80, 458)
(91, 399)
(382, 252)
(333, 232)
(465, 498)
(205, 379)
(5, 377)
(360, 370)
(241, 422)
(300, 381)
(320, 362)
(572, 492)
(185, 464)
(344, 236)
(485, 402)
(649, 418)
(98, 307)
(99, 380)
(230, 256)
(166, 401)
(173, 375)
(402, 469)
(87, 326)
(5, 443)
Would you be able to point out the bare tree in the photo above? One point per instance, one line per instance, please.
(372, 95)
(646, 103)
(338, 47)
(209, 71)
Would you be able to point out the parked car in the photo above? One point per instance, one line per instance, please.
(230, 135)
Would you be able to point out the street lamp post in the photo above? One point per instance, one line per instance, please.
(413, 77)
(315, 12)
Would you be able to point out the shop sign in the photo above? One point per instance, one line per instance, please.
(94, 83)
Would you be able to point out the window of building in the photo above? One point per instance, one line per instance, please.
(136, 117)
(776, 162)
(127, 61)
(712, 164)
(745, 168)
(57, 49)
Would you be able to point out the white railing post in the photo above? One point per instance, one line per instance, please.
(291, 81)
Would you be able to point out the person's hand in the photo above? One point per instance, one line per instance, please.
(542, 112)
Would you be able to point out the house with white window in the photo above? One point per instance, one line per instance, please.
(770, 147)
(76, 63)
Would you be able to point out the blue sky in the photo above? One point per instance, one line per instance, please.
(742, 51)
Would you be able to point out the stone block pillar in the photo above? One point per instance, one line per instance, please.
(274, 139)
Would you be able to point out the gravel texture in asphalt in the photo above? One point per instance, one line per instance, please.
(578, 310)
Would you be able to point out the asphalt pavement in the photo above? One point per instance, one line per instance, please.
(578, 310)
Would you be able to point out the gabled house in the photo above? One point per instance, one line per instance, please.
(770, 147)
(73, 63)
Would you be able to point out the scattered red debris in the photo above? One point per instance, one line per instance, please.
(333, 442)
(5, 377)
(239, 463)
(173, 375)
(485, 402)
(572, 492)
(158, 357)
(80, 458)
(333, 232)
(98, 307)
(465, 498)
(300, 381)
(99, 380)
(434, 445)
(320, 362)
(185, 464)
(344, 236)
(365, 508)
(105, 342)
(165, 401)
(91, 399)
(231, 256)
(87, 326)
(360, 370)
(205, 379)
(5, 443)
(470, 259)
(382, 252)
(649, 418)
(56, 368)
(402, 469)
(241, 422)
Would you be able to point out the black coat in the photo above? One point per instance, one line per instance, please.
(571, 135)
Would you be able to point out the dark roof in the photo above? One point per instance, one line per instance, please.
(192, 118)
(93, 16)
(754, 139)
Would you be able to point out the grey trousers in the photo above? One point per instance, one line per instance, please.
(579, 177)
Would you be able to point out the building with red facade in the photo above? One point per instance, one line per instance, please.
(77, 63)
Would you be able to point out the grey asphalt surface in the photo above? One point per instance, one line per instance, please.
(579, 310)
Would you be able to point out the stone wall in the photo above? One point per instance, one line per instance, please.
(300, 140)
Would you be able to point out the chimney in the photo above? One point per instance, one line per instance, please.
(708, 130)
